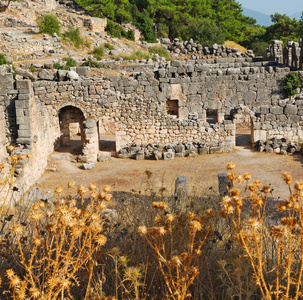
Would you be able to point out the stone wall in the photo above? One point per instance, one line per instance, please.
(22, 47)
(2, 136)
(195, 106)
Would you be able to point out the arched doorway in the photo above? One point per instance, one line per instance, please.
(71, 129)
(242, 118)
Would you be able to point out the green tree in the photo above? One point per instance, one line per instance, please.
(284, 28)
(205, 32)
(175, 13)
(291, 82)
(49, 24)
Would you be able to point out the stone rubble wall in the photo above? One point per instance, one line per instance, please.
(136, 106)
(198, 51)
(29, 48)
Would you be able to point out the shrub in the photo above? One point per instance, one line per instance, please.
(92, 64)
(130, 34)
(4, 61)
(109, 46)
(115, 30)
(162, 51)
(70, 62)
(49, 24)
(291, 82)
(73, 33)
(137, 55)
(98, 52)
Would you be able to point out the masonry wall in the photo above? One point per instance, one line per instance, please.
(136, 106)
(2, 136)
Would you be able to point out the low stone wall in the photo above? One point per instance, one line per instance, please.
(195, 49)
(21, 48)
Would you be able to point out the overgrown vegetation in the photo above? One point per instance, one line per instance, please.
(291, 83)
(99, 52)
(3, 60)
(70, 62)
(49, 24)
(137, 55)
(115, 30)
(79, 244)
(92, 64)
(74, 34)
(161, 51)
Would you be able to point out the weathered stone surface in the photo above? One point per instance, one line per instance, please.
(181, 187)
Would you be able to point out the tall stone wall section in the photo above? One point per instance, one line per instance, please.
(2, 136)
(138, 106)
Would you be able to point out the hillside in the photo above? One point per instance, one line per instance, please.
(262, 19)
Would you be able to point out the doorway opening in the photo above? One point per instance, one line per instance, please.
(71, 130)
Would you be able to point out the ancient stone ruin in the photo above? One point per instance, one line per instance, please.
(179, 108)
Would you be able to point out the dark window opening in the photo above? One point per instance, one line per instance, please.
(212, 116)
(172, 107)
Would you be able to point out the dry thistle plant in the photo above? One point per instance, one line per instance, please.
(179, 267)
(284, 280)
(8, 182)
(65, 239)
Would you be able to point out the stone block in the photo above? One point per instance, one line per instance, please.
(180, 148)
(223, 184)
(25, 141)
(158, 155)
(228, 146)
(181, 187)
(203, 150)
(23, 84)
(276, 110)
(46, 75)
(290, 109)
(216, 149)
(140, 155)
(82, 71)
(88, 166)
(168, 155)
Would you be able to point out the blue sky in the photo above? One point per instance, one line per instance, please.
(268, 7)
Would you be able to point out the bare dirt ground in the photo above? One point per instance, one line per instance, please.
(202, 172)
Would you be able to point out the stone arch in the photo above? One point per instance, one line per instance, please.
(243, 118)
(82, 108)
(71, 120)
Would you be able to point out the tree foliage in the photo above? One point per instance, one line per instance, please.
(206, 21)
(291, 82)
(49, 24)
(205, 32)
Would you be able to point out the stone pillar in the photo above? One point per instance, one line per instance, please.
(223, 183)
(275, 51)
(296, 51)
(287, 54)
(24, 105)
(181, 187)
(91, 140)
